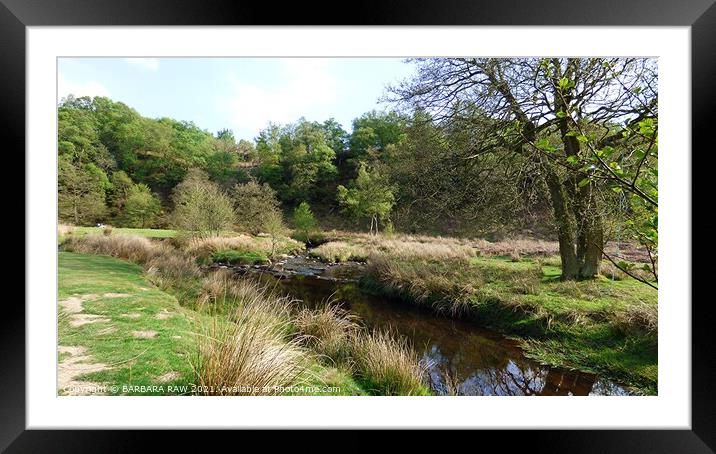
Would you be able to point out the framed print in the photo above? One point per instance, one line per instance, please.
(407, 218)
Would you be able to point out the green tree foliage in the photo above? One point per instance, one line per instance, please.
(114, 138)
(141, 207)
(296, 161)
(222, 167)
(375, 131)
(246, 150)
(369, 197)
(155, 152)
(305, 222)
(201, 207)
(275, 228)
(254, 203)
(335, 136)
(117, 197)
(81, 192)
(374, 134)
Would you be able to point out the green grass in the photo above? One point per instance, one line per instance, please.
(239, 258)
(141, 361)
(134, 361)
(603, 326)
(327, 380)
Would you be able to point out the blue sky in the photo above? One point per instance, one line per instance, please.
(242, 94)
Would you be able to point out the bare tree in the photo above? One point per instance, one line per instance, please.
(559, 113)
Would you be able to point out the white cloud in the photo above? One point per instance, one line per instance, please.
(306, 87)
(88, 88)
(149, 64)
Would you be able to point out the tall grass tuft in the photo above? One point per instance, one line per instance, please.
(133, 248)
(328, 330)
(384, 361)
(247, 357)
(250, 352)
(388, 364)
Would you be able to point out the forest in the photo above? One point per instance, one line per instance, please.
(517, 195)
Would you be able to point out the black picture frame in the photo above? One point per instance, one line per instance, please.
(700, 15)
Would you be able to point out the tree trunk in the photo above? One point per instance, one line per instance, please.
(591, 236)
(583, 205)
(593, 253)
(565, 223)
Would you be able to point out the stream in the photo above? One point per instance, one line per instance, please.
(462, 355)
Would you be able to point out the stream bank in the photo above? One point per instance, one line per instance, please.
(465, 358)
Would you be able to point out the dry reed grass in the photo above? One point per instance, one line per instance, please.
(133, 248)
(385, 361)
(248, 357)
(642, 318)
(65, 229)
(360, 248)
(204, 247)
(328, 330)
(249, 352)
(388, 364)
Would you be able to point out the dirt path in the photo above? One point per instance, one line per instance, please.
(77, 364)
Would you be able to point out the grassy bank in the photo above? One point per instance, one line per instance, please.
(212, 330)
(116, 328)
(604, 326)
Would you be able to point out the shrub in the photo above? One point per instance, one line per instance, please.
(389, 229)
(305, 223)
(141, 207)
(276, 230)
(107, 230)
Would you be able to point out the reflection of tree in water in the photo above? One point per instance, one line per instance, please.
(463, 359)
(509, 380)
(605, 388)
(515, 378)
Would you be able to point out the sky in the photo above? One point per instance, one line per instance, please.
(242, 94)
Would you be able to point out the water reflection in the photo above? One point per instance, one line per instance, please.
(464, 359)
